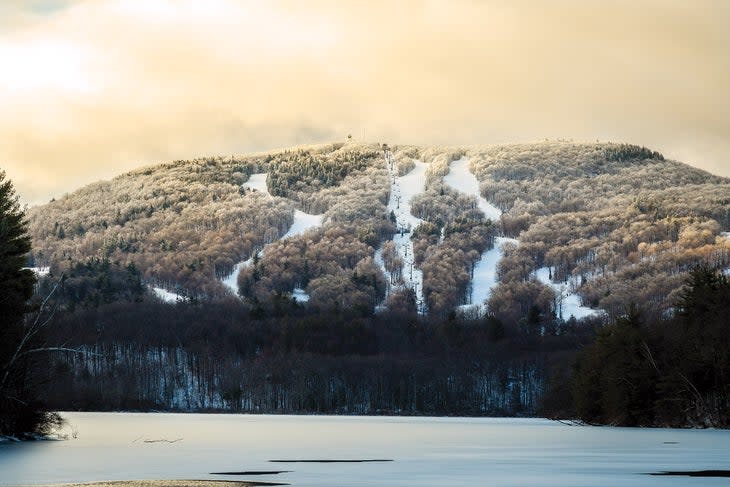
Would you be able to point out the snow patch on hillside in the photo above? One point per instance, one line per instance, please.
(167, 296)
(302, 222)
(231, 282)
(402, 191)
(257, 181)
(568, 303)
(484, 276)
(300, 295)
(406, 188)
(461, 179)
(39, 271)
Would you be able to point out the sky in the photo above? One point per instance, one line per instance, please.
(92, 88)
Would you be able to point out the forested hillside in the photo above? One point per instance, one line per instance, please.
(620, 223)
(617, 224)
(367, 278)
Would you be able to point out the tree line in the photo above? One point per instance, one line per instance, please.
(643, 371)
(225, 357)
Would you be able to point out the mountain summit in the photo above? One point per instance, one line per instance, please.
(567, 229)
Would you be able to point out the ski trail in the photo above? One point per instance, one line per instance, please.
(302, 222)
(484, 277)
(167, 296)
(257, 182)
(484, 274)
(402, 191)
(568, 303)
(461, 179)
(38, 271)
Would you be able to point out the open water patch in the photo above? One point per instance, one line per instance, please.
(253, 472)
(332, 461)
(695, 473)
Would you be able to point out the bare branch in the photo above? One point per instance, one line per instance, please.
(649, 356)
(31, 332)
(60, 349)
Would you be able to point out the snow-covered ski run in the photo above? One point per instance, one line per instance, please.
(302, 222)
(484, 274)
(167, 296)
(567, 303)
(484, 277)
(402, 190)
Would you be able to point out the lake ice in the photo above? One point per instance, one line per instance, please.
(427, 452)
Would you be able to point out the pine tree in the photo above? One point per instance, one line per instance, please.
(19, 412)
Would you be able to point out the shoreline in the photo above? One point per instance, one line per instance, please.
(166, 483)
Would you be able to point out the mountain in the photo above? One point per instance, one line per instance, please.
(523, 231)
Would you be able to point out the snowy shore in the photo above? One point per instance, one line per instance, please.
(167, 483)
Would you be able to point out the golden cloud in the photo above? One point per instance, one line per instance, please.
(101, 86)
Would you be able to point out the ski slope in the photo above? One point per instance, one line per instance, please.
(257, 182)
(300, 295)
(402, 191)
(461, 179)
(484, 275)
(569, 303)
(231, 281)
(302, 223)
(39, 271)
(167, 296)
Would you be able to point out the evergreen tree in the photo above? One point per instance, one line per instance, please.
(19, 411)
(614, 381)
(698, 348)
(16, 283)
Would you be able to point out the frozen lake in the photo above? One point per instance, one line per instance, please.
(426, 452)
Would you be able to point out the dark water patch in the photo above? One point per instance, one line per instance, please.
(250, 483)
(332, 461)
(252, 472)
(697, 473)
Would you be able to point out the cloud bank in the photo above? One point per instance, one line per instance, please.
(91, 88)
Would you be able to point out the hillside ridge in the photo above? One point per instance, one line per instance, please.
(610, 223)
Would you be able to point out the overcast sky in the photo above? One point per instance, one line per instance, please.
(89, 89)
